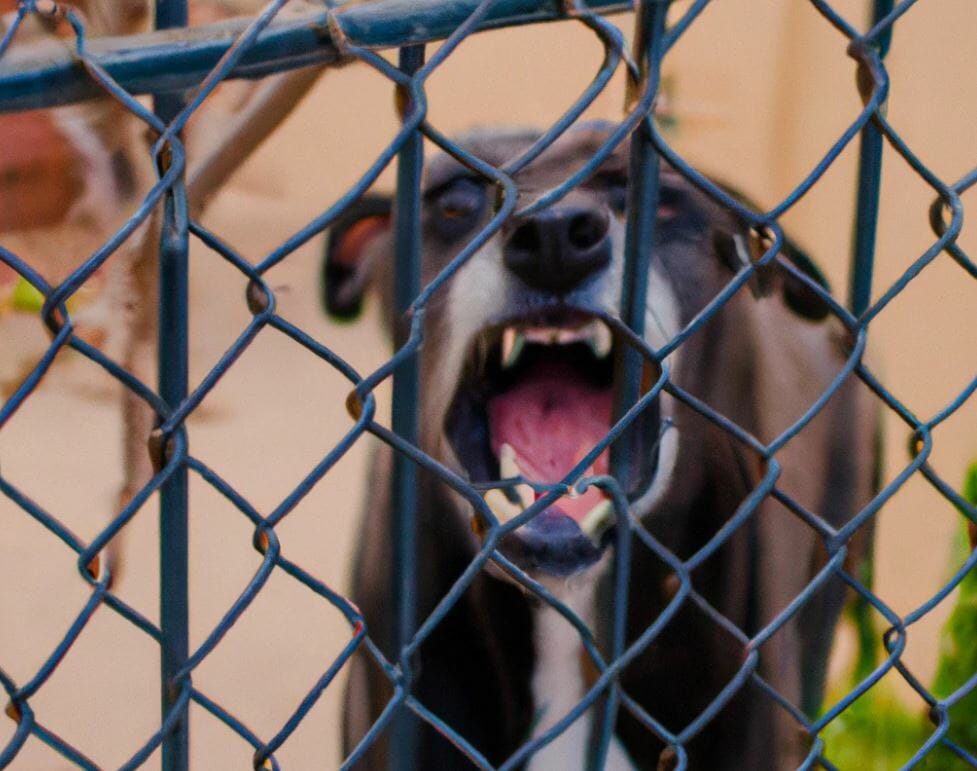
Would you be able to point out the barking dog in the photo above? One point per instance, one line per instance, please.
(517, 382)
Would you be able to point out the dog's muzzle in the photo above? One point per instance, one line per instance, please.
(536, 397)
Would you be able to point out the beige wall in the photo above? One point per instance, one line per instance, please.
(760, 91)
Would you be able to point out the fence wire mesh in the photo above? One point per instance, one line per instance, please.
(329, 34)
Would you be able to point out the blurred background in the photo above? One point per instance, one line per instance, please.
(758, 92)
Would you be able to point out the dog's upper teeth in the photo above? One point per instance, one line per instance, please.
(596, 334)
(543, 335)
(567, 336)
(513, 341)
(600, 339)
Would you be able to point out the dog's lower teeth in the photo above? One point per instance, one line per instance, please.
(502, 507)
(598, 518)
(509, 469)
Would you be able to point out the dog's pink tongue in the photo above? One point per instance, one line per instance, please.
(552, 419)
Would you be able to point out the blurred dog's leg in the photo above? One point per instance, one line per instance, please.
(263, 111)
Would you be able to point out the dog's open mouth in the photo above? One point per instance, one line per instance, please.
(536, 398)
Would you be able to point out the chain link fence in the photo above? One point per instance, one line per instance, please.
(182, 68)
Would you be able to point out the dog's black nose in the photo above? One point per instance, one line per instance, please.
(558, 248)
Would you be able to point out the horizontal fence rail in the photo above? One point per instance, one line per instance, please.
(171, 60)
(180, 68)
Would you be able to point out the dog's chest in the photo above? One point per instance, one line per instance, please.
(558, 685)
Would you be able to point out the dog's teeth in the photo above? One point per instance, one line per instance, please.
(502, 507)
(543, 335)
(595, 334)
(513, 342)
(526, 494)
(567, 336)
(600, 341)
(596, 520)
(508, 467)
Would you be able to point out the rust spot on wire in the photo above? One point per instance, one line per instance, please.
(256, 297)
(667, 760)
(354, 405)
(13, 712)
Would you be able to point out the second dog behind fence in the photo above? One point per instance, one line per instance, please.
(517, 375)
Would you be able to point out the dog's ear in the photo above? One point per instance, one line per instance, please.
(746, 245)
(798, 296)
(741, 248)
(737, 250)
(346, 267)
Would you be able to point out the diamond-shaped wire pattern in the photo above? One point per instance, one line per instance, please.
(334, 34)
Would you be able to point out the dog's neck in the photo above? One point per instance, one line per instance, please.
(559, 683)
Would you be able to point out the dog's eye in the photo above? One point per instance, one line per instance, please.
(462, 198)
(616, 185)
(617, 191)
(670, 202)
(458, 206)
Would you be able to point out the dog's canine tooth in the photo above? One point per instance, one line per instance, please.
(526, 495)
(502, 507)
(513, 341)
(508, 467)
(596, 519)
(600, 340)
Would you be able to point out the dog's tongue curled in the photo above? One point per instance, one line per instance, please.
(552, 418)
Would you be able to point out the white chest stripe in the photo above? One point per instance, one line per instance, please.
(558, 686)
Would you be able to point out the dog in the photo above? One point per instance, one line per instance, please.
(517, 381)
(71, 176)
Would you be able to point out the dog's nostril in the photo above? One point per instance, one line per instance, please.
(526, 238)
(586, 230)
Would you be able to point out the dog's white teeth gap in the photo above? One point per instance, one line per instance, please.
(513, 341)
(502, 507)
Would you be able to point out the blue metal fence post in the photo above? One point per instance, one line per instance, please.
(406, 393)
(640, 234)
(859, 297)
(638, 246)
(173, 379)
(869, 188)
